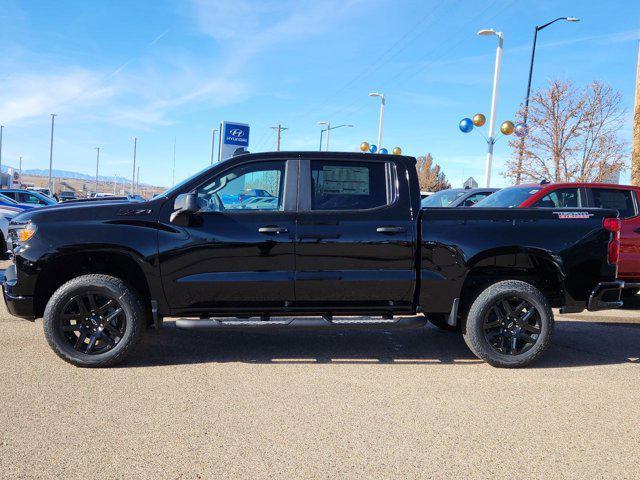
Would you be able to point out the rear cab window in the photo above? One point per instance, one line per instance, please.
(615, 199)
(342, 185)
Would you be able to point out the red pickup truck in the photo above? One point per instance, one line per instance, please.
(624, 198)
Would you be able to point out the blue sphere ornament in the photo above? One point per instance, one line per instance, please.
(465, 125)
(383, 151)
(373, 148)
(521, 130)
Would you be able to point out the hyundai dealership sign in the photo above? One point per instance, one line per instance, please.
(233, 136)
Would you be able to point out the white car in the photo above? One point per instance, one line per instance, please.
(6, 214)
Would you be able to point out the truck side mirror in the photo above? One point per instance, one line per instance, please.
(184, 205)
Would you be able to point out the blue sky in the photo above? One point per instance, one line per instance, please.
(164, 69)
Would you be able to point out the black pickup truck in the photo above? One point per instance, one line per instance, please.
(333, 241)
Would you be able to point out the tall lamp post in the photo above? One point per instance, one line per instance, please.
(213, 141)
(133, 176)
(50, 185)
(328, 124)
(97, 166)
(382, 102)
(494, 101)
(328, 129)
(526, 103)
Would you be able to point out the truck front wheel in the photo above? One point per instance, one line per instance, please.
(509, 324)
(93, 321)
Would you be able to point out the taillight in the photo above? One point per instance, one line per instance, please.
(613, 225)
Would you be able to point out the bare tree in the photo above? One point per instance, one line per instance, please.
(573, 135)
(430, 177)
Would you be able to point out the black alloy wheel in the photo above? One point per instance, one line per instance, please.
(512, 326)
(509, 324)
(93, 322)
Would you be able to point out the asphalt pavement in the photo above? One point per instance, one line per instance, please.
(407, 404)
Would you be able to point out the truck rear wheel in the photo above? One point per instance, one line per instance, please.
(509, 324)
(94, 321)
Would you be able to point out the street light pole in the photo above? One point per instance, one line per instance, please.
(382, 102)
(494, 101)
(97, 166)
(133, 176)
(525, 114)
(213, 140)
(53, 116)
(328, 129)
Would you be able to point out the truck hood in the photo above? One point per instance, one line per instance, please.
(88, 211)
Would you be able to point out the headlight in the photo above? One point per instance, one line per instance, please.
(21, 232)
(27, 232)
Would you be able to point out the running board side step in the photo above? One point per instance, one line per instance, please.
(340, 323)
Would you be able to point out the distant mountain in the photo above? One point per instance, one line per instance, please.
(36, 172)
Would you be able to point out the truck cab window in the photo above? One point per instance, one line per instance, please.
(338, 185)
(253, 186)
(620, 200)
(562, 198)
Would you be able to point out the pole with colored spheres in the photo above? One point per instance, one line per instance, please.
(365, 147)
(506, 128)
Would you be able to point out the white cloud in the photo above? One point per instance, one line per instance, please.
(33, 94)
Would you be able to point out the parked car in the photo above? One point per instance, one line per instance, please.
(6, 215)
(66, 196)
(44, 191)
(457, 197)
(253, 192)
(348, 238)
(558, 196)
(10, 202)
(27, 197)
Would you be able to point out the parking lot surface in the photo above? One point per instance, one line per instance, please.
(412, 404)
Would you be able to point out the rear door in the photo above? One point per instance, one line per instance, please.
(355, 243)
(625, 201)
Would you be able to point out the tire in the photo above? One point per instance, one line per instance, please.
(104, 335)
(440, 320)
(490, 329)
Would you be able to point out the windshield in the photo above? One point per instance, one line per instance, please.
(443, 198)
(510, 197)
(178, 186)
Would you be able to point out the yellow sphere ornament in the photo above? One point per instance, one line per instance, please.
(364, 146)
(397, 151)
(507, 127)
(479, 119)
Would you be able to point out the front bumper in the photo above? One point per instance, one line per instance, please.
(606, 295)
(17, 305)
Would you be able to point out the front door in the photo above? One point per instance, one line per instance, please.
(238, 251)
(355, 238)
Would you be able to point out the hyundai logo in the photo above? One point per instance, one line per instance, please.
(236, 132)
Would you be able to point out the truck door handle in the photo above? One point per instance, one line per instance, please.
(273, 229)
(390, 230)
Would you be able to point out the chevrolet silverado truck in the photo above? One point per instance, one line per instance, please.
(341, 243)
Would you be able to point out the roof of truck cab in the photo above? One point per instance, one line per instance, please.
(316, 154)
